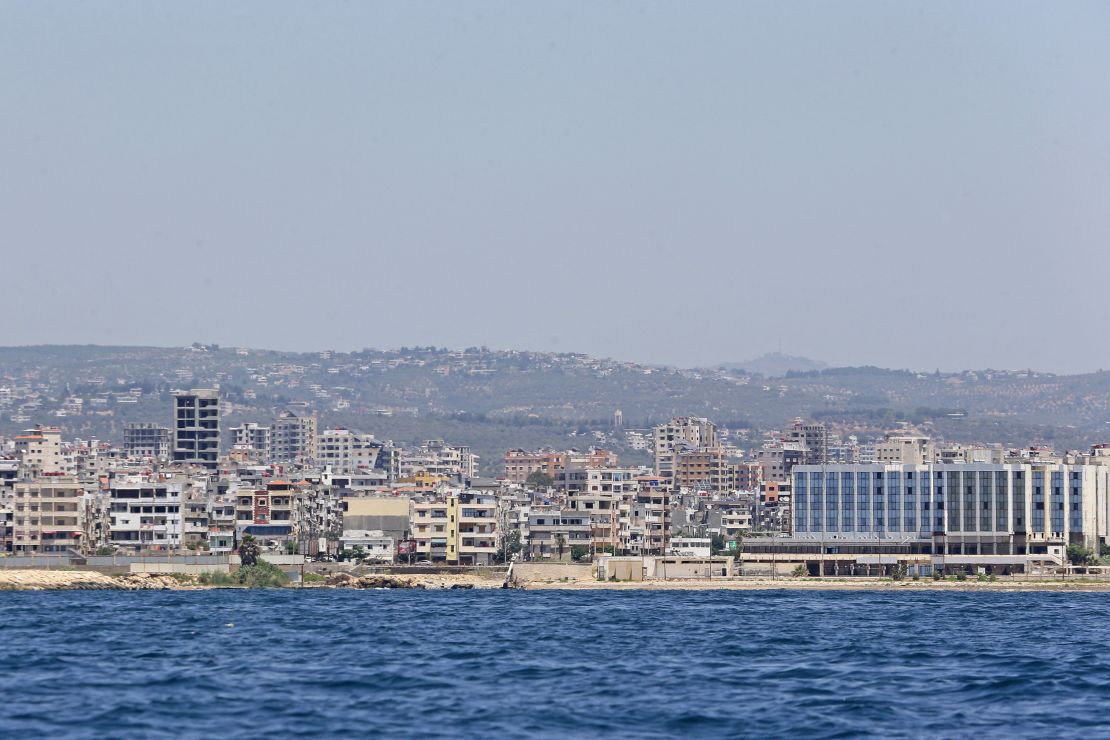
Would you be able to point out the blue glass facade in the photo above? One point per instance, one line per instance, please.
(919, 501)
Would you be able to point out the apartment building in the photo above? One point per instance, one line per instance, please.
(553, 533)
(39, 451)
(7, 519)
(603, 509)
(146, 439)
(196, 430)
(146, 512)
(906, 449)
(685, 431)
(460, 529)
(644, 520)
(268, 515)
(48, 515)
(345, 451)
(709, 469)
(812, 438)
(293, 437)
(776, 460)
(519, 464)
(438, 459)
(254, 438)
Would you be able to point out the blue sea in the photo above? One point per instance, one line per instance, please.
(488, 664)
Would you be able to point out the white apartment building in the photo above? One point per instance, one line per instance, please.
(345, 451)
(146, 512)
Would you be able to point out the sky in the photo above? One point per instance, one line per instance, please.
(919, 185)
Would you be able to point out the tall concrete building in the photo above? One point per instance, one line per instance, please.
(293, 438)
(814, 439)
(146, 439)
(680, 433)
(196, 427)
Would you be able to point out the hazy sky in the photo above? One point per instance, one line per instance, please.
(903, 184)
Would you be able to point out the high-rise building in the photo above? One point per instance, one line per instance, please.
(293, 437)
(196, 427)
(146, 439)
(814, 440)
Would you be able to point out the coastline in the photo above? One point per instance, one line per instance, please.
(821, 584)
(75, 580)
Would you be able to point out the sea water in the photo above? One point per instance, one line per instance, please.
(346, 663)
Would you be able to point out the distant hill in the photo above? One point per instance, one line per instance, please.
(495, 400)
(776, 365)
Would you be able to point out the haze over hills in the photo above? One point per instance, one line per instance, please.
(494, 400)
(775, 364)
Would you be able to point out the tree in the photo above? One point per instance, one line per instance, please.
(510, 546)
(561, 544)
(1079, 555)
(539, 479)
(249, 550)
(579, 552)
(717, 544)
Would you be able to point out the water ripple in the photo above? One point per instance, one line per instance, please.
(552, 663)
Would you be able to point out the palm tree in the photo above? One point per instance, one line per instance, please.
(561, 543)
(249, 550)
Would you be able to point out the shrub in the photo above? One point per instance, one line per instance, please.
(261, 575)
(937, 576)
(800, 571)
(216, 578)
(961, 576)
(981, 577)
(312, 578)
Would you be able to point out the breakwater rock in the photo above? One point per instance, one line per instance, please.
(77, 580)
(418, 581)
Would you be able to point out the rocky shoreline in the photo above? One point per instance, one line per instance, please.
(75, 580)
